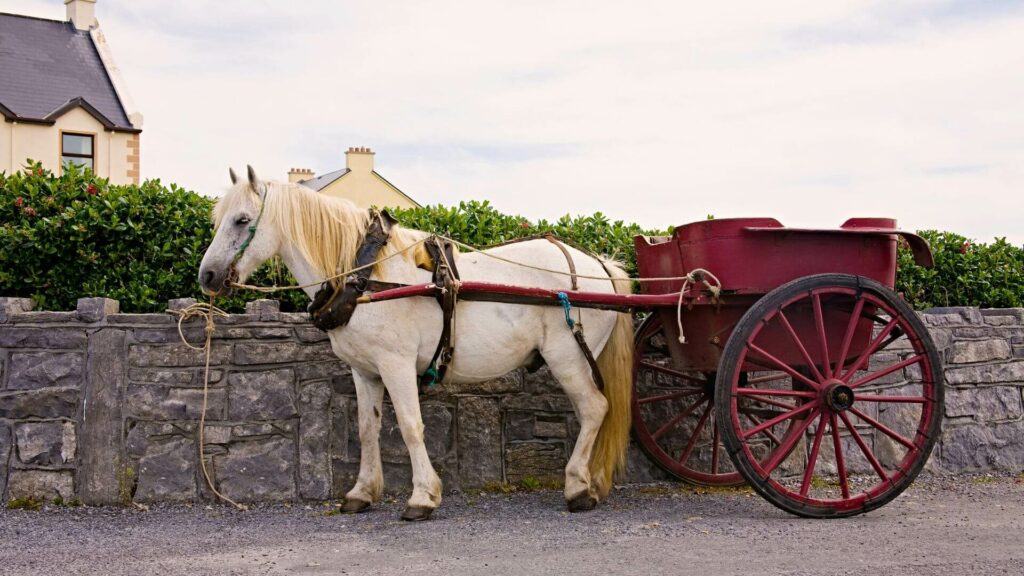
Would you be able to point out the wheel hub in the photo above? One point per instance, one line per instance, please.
(838, 396)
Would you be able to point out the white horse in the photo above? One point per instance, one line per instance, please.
(388, 344)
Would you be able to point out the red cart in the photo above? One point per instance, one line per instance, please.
(801, 373)
(808, 378)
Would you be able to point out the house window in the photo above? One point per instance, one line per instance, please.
(77, 149)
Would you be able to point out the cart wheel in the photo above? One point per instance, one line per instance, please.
(862, 405)
(673, 414)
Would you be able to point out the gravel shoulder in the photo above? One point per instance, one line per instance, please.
(964, 525)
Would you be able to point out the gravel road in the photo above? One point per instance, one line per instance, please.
(965, 525)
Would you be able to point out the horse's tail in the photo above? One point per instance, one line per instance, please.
(616, 365)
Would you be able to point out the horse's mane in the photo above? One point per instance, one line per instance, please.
(326, 230)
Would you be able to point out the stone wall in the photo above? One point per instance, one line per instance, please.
(104, 407)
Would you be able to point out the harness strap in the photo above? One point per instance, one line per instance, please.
(568, 258)
(446, 278)
(577, 333)
(333, 305)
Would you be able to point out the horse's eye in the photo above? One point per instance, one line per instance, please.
(242, 220)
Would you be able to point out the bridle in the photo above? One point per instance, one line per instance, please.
(232, 270)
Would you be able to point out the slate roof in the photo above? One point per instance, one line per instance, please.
(322, 181)
(48, 67)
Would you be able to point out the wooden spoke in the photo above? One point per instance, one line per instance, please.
(864, 447)
(672, 396)
(884, 429)
(696, 434)
(799, 345)
(871, 349)
(819, 321)
(813, 458)
(889, 370)
(671, 372)
(783, 366)
(678, 418)
(780, 453)
(851, 328)
(769, 423)
(837, 446)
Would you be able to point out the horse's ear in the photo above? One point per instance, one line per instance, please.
(253, 180)
(234, 177)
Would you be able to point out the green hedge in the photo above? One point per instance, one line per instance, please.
(73, 235)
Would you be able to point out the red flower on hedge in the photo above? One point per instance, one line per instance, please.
(965, 246)
(91, 189)
(30, 211)
(524, 225)
(19, 202)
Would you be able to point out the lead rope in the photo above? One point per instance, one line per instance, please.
(697, 275)
(208, 311)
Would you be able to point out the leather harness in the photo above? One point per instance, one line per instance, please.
(333, 305)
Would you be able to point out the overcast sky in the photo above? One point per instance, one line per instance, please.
(659, 113)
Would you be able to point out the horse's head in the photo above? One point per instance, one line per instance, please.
(242, 239)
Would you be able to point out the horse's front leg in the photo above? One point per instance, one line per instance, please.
(370, 483)
(426, 485)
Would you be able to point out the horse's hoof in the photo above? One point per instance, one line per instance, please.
(353, 506)
(582, 503)
(416, 513)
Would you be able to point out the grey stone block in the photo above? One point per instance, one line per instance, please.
(479, 441)
(148, 402)
(967, 352)
(167, 471)
(1012, 371)
(11, 306)
(248, 353)
(53, 339)
(543, 461)
(6, 444)
(44, 318)
(262, 395)
(176, 355)
(258, 470)
(314, 440)
(984, 404)
(550, 429)
(180, 303)
(519, 425)
(244, 431)
(96, 309)
(48, 403)
(437, 433)
(310, 334)
(264, 310)
(977, 447)
(46, 443)
(101, 423)
(167, 376)
(41, 484)
(34, 370)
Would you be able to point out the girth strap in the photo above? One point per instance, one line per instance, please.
(332, 306)
(446, 279)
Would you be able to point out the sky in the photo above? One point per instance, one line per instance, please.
(659, 113)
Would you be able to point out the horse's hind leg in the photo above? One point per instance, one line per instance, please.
(370, 483)
(426, 485)
(572, 371)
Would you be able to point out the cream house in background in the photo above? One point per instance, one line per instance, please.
(357, 181)
(62, 97)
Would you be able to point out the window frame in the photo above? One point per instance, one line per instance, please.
(63, 154)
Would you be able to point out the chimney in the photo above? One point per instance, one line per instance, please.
(359, 159)
(82, 13)
(299, 174)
